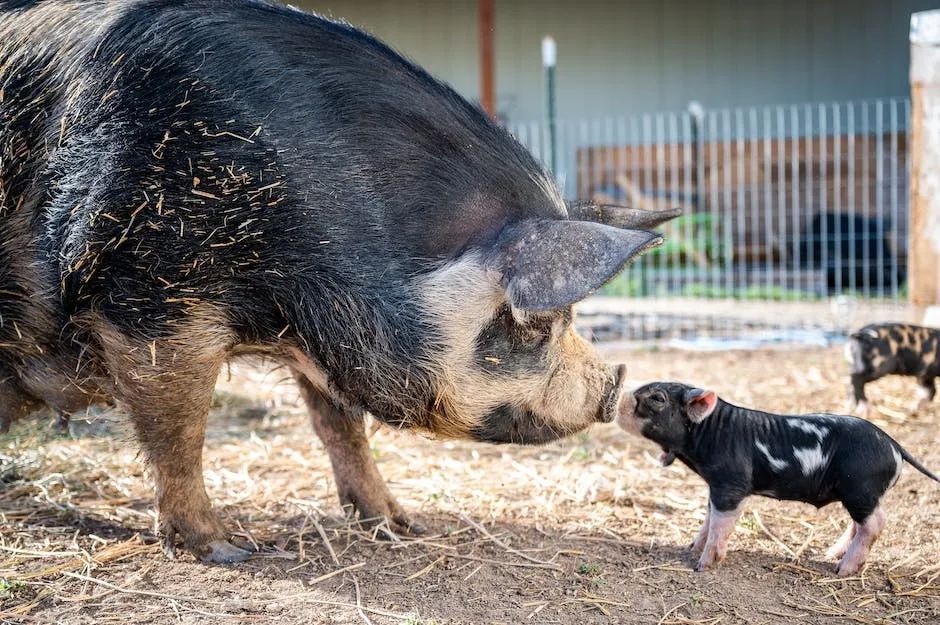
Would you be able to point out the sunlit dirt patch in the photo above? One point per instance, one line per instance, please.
(589, 529)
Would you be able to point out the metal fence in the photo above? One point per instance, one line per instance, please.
(797, 202)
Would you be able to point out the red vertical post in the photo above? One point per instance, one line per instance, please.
(487, 70)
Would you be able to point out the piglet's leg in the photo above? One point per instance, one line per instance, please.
(858, 402)
(720, 525)
(699, 543)
(865, 536)
(926, 389)
(839, 548)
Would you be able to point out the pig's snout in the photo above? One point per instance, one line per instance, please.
(618, 398)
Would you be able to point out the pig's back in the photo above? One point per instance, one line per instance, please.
(172, 153)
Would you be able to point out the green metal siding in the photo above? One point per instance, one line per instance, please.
(648, 55)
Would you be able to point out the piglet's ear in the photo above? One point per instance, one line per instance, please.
(549, 264)
(700, 404)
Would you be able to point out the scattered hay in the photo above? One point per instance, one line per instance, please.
(590, 529)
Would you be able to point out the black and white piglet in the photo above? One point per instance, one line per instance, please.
(815, 458)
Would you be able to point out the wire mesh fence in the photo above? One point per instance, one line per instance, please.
(781, 203)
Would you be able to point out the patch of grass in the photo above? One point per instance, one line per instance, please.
(589, 568)
(9, 587)
(688, 236)
(593, 571)
(748, 522)
(760, 292)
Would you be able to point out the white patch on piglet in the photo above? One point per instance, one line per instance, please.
(811, 459)
(819, 431)
(899, 464)
(775, 463)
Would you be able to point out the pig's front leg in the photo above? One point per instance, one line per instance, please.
(361, 487)
(698, 545)
(721, 520)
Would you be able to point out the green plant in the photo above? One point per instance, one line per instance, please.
(589, 568)
(690, 240)
(8, 587)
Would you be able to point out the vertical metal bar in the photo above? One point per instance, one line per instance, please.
(866, 199)
(609, 175)
(583, 147)
(907, 207)
(782, 209)
(634, 176)
(850, 197)
(740, 162)
(717, 233)
(691, 271)
(795, 196)
(597, 151)
(838, 235)
(659, 184)
(727, 209)
(809, 131)
(757, 215)
(766, 181)
(824, 195)
(549, 54)
(646, 172)
(879, 198)
(672, 192)
(895, 247)
(610, 163)
(534, 143)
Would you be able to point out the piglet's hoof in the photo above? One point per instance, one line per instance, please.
(223, 552)
(709, 560)
(667, 458)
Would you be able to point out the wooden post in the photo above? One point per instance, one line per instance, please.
(924, 259)
(487, 71)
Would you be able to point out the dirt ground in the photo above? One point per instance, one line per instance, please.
(586, 530)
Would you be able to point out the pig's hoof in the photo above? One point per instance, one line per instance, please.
(223, 552)
(396, 526)
(845, 571)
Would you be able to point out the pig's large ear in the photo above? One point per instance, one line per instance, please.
(700, 404)
(547, 264)
(621, 216)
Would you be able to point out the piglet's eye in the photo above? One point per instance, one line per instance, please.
(658, 398)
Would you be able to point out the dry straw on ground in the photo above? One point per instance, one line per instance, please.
(585, 530)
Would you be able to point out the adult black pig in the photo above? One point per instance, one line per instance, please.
(181, 183)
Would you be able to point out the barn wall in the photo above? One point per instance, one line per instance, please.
(652, 55)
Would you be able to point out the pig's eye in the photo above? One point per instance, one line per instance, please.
(658, 398)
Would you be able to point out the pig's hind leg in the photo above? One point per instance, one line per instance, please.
(167, 390)
(926, 390)
(361, 487)
(839, 548)
(858, 402)
(866, 533)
